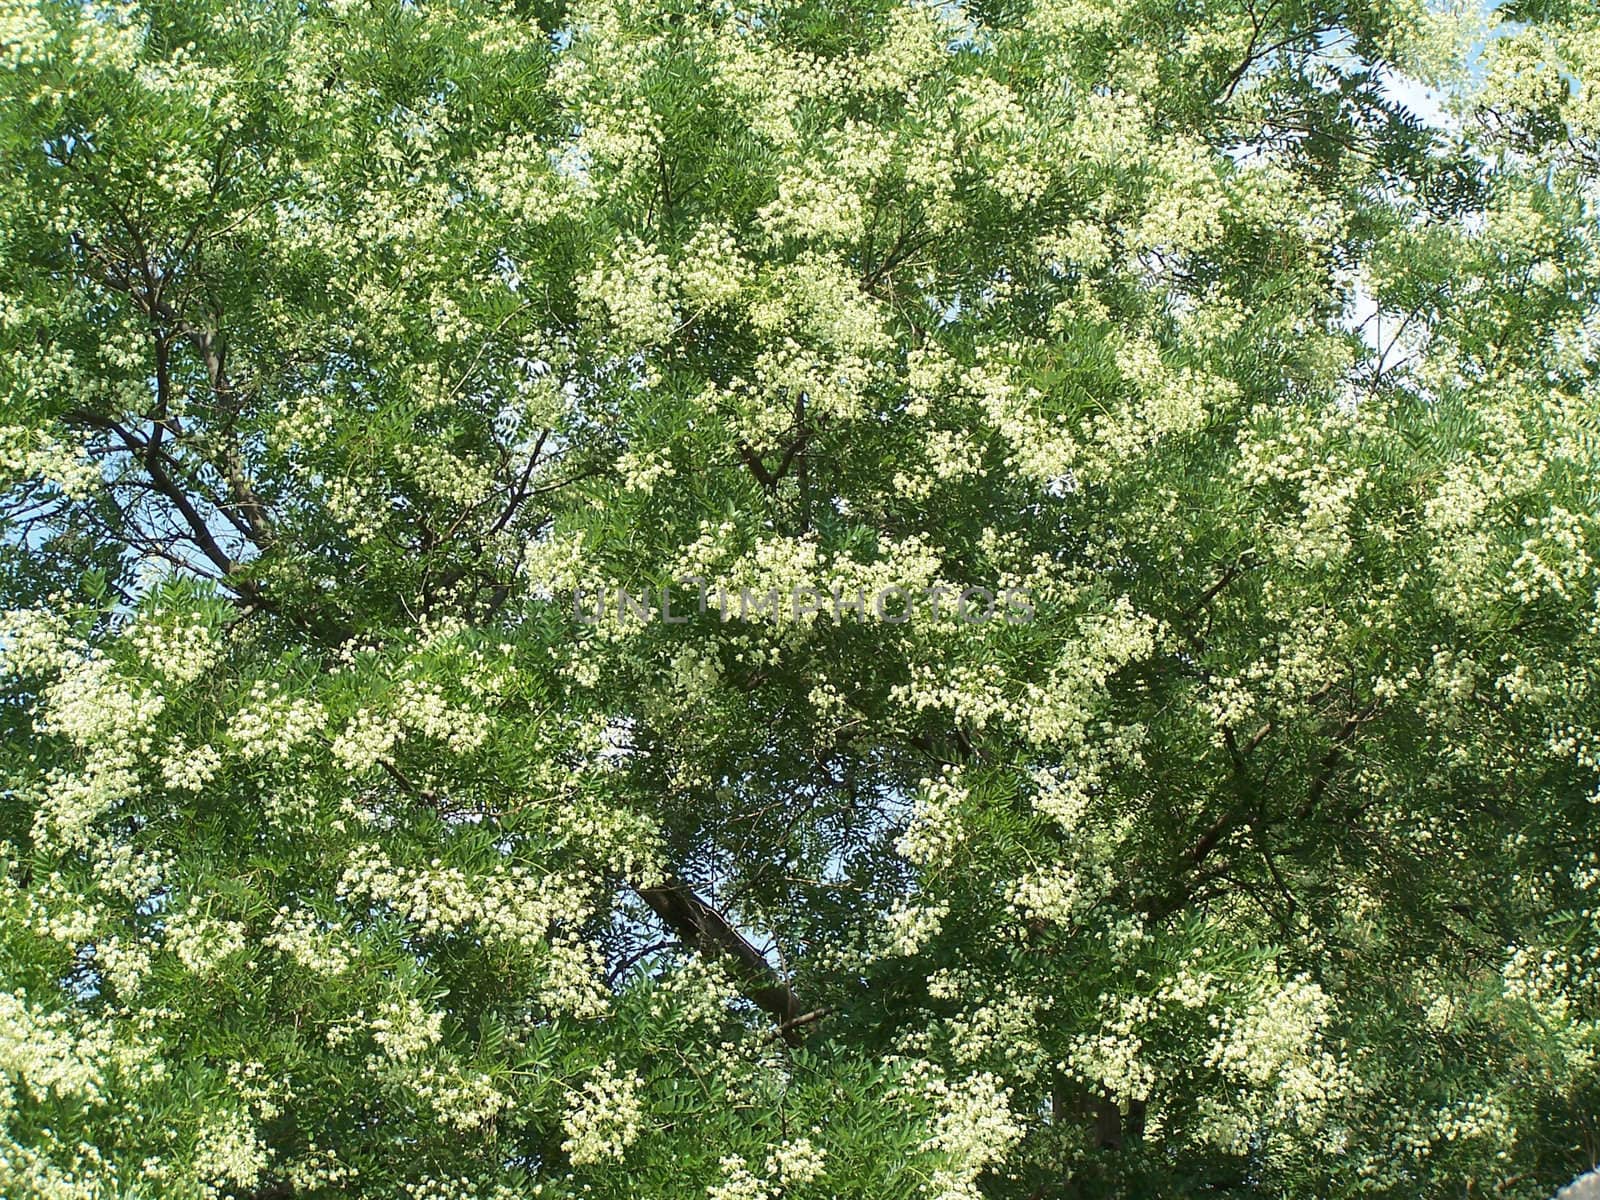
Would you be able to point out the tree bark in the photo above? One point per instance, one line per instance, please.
(707, 931)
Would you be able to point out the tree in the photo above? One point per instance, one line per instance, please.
(501, 508)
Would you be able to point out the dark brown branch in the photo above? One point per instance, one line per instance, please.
(147, 293)
(154, 466)
(768, 478)
(1331, 760)
(520, 492)
(708, 932)
(804, 1019)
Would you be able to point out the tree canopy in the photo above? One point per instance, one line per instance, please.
(383, 815)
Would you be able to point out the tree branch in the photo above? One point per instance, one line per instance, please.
(707, 931)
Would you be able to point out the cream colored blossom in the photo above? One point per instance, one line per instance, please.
(603, 1116)
(228, 1154)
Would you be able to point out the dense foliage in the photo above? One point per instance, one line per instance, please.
(343, 854)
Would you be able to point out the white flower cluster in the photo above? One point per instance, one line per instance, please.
(510, 905)
(640, 470)
(738, 1181)
(414, 706)
(121, 870)
(1064, 795)
(1003, 1028)
(819, 299)
(304, 939)
(1055, 895)
(305, 423)
(619, 839)
(367, 739)
(911, 926)
(50, 1054)
(109, 718)
(186, 769)
(1327, 500)
(572, 980)
(261, 1091)
(972, 692)
(1186, 199)
(404, 1029)
(555, 563)
(444, 476)
(973, 1128)
(228, 1155)
(793, 1162)
(824, 199)
(463, 1188)
(1059, 711)
(1475, 1118)
(26, 33)
(712, 273)
(320, 1168)
(1274, 1047)
(696, 991)
(27, 454)
(126, 964)
(1557, 559)
(695, 674)
(35, 641)
(632, 295)
(603, 1116)
(97, 709)
(178, 647)
(465, 1100)
(1559, 989)
(1409, 1139)
(271, 725)
(358, 510)
(57, 910)
(936, 830)
(201, 942)
(950, 455)
(522, 177)
(1112, 1058)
